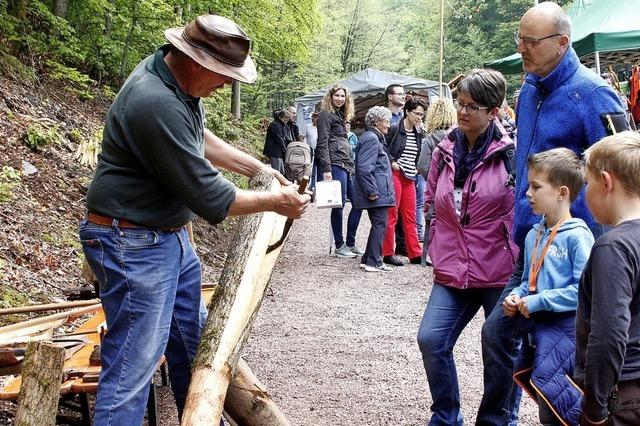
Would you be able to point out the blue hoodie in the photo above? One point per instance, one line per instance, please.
(562, 109)
(557, 285)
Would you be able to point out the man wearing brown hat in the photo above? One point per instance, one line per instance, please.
(154, 175)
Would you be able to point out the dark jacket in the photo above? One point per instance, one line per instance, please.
(397, 139)
(294, 131)
(333, 147)
(373, 173)
(276, 141)
(546, 370)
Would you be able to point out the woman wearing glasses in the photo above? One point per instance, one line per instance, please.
(470, 246)
(403, 146)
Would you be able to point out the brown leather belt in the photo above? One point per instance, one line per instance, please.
(123, 223)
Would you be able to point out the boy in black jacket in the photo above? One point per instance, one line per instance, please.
(608, 317)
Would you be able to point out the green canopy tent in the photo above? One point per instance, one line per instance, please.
(604, 32)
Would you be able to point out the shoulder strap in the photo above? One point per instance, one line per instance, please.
(509, 160)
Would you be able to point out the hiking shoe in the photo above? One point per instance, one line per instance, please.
(381, 268)
(393, 260)
(344, 251)
(356, 250)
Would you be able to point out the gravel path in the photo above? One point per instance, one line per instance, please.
(336, 345)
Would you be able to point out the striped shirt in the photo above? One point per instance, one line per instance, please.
(407, 160)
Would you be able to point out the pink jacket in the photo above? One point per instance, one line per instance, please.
(476, 249)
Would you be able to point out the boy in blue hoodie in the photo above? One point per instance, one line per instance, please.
(556, 251)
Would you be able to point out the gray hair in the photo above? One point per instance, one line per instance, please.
(376, 114)
(562, 23)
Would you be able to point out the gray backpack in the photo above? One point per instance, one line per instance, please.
(297, 161)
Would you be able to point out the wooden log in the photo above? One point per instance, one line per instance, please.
(232, 310)
(9, 333)
(248, 402)
(48, 307)
(41, 380)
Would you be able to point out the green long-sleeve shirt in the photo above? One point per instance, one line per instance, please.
(152, 169)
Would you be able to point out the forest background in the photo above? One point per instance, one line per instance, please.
(299, 45)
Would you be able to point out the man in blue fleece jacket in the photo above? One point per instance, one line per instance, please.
(561, 104)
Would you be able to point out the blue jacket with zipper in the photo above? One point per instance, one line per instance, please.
(563, 109)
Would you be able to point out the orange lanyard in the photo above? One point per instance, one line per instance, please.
(536, 263)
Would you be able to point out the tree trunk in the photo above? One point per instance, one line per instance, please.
(60, 8)
(248, 403)
(17, 8)
(127, 43)
(41, 379)
(232, 310)
(235, 100)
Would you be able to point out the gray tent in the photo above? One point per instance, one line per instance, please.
(367, 89)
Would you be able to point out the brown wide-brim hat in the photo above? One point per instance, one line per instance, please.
(218, 44)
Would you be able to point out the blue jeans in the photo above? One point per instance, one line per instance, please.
(150, 292)
(501, 343)
(448, 312)
(420, 187)
(346, 183)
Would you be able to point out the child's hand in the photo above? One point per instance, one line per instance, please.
(510, 305)
(522, 307)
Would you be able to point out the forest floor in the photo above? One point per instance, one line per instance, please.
(332, 343)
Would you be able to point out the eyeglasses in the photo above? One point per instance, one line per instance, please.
(472, 109)
(418, 114)
(531, 42)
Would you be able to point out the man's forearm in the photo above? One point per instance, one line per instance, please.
(248, 202)
(223, 155)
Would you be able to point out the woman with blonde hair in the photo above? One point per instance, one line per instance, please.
(333, 154)
(441, 116)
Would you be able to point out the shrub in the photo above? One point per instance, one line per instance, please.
(37, 136)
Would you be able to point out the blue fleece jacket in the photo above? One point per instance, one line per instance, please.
(557, 284)
(562, 109)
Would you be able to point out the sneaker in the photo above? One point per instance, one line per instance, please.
(344, 251)
(381, 268)
(356, 250)
(393, 260)
(428, 261)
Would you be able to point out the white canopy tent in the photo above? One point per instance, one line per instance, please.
(367, 89)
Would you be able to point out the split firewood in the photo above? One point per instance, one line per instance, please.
(233, 309)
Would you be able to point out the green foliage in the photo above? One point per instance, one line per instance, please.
(12, 66)
(9, 179)
(10, 297)
(37, 136)
(76, 81)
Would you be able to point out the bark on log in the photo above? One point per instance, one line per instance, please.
(232, 310)
(40, 390)
(248, 403)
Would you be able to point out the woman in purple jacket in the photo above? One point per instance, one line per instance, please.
(469, 242)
